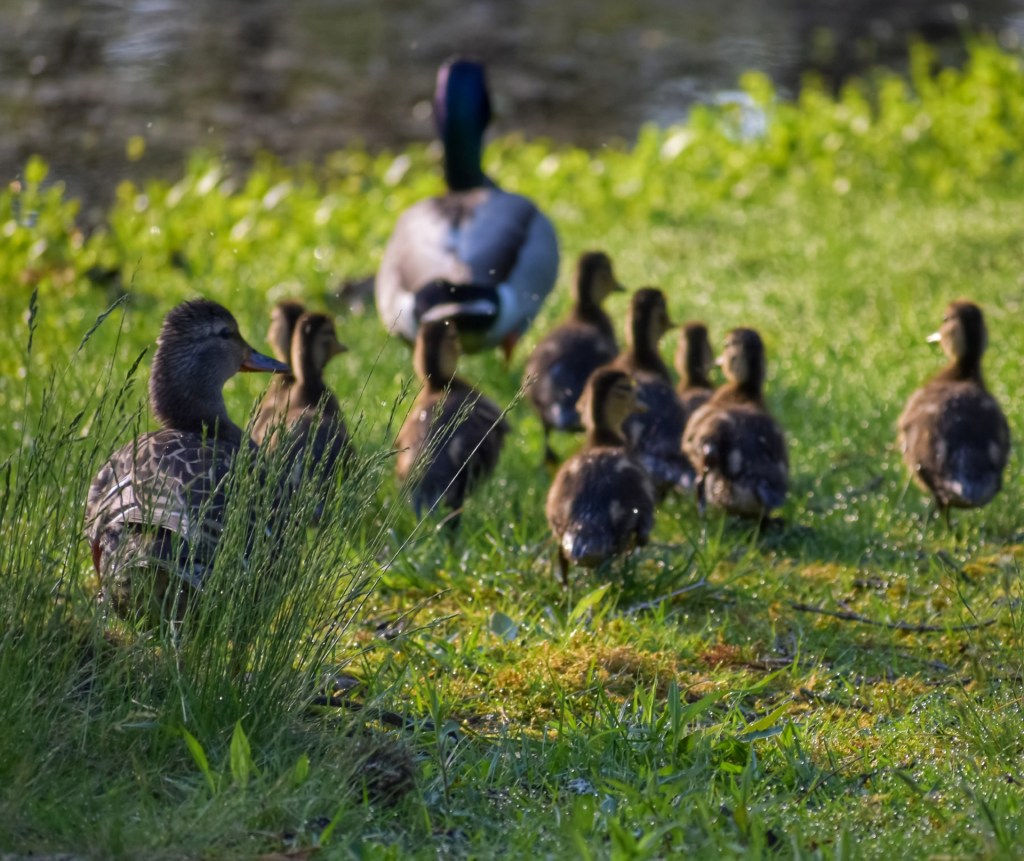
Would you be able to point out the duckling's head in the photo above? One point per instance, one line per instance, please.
(462, 111)
(436, 353)
(963, 334)
(608, 399)
(283, 317)
(198, 350)
(595, 278)
(314, 344)
(694, 356)
(742, 361)
(648, 317)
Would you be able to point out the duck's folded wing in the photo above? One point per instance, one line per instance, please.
(160, 482)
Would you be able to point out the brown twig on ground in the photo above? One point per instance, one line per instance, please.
(850, 616)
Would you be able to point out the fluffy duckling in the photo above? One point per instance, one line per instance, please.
(735, 445)
(601, 502)
(478, 255)
(953, 435)
(156, 509)
(307, 412)
(283, 317)
(694, 360)
(453, 435)
(559, 367)
(654, 435)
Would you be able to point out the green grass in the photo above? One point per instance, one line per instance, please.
(606, 720)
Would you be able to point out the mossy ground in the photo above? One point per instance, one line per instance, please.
(609, 719)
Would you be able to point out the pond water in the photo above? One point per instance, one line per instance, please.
(302, 77)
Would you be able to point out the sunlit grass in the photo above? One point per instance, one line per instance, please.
(612, 718)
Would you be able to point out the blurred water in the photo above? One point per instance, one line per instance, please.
(303, 77)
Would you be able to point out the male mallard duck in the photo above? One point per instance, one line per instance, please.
(453, 435)
(694, 360)
(156, 509)
(953, 434)
(307, 403)
(478, 255)
(654, 435)
(601, 502)
(558, 369)
(734, 444)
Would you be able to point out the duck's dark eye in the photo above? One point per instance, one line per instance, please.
(225, 333)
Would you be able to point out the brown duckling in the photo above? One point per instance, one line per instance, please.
(736, 447)
(601, 502)
(694, 360)
(558, 368)
(654, 435)
(953, 435)
(453, 435)
(308, 404)
(156, 509)
(283, 317)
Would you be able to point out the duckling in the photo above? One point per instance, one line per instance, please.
(953, 434)
(453, 435)
(283, 317)
(478, 255)
(736, 447)
(694, 360)
(558, 368)
(655, 435)
(308, 404)
(156, 509)
(601, 502)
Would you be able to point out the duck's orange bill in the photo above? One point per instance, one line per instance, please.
(258, 362)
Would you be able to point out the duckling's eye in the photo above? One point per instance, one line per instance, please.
(225, 333)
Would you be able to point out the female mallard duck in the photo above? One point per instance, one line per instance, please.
(156, 509)
(654, 435)
(694, 360)
(559, 367)
(307, 412)
(601, 502)
(480, 256)
(453, 435)
(954, 436)
(734, 444)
